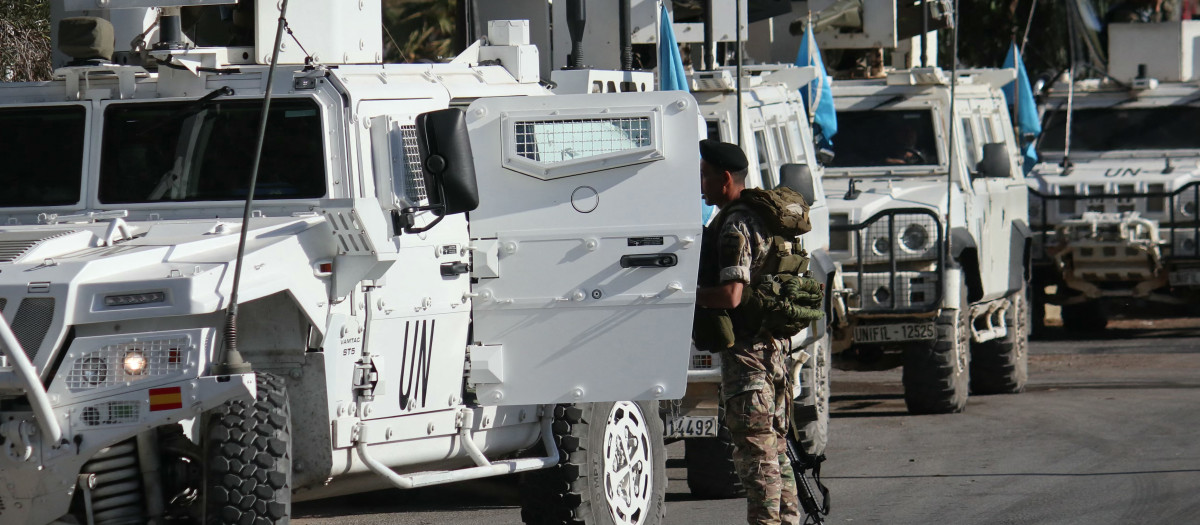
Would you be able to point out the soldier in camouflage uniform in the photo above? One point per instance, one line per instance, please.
(753, 376)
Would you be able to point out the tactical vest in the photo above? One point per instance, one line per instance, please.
(782, 298)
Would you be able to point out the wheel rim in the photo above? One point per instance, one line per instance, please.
(628, 464)
(821, 375)
(1021, 325)
(962, 339)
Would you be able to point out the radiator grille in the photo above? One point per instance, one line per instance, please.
(13, 245)
(31, 323)
(3, 303)
(112, 413)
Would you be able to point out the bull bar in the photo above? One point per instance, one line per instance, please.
(891, 215)
(24, 376)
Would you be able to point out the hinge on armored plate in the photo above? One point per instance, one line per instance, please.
(366, 376)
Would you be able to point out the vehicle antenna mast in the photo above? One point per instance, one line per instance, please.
(233, 362)
(953, 116)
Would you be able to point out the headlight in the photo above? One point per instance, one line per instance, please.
(915, 237)
(135, 363)
(882, 246)
(1188, 208)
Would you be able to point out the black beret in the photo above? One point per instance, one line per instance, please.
(723, 155)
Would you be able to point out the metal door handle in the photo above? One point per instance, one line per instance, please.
(649, 260)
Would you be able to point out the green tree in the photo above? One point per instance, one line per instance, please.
(988, 27)
(24, 40)
(418, 29)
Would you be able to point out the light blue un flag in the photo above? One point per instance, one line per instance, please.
(1027, 115)
(823, 113)
(671, 76)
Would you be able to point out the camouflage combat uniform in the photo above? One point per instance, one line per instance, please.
(753, 385)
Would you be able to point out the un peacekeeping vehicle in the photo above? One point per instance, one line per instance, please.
(442, 278)
(929, 225)
(778, 143)
(1113, 204)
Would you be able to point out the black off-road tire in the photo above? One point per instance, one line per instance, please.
(583, 488)
(936, 373)
(1084, 317)
(811, 412)
(710, 470)
(1001, 366)
(248, 448)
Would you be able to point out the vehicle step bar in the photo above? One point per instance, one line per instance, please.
(483, 468)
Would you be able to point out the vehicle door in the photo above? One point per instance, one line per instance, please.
(585, 246)
(991, 197)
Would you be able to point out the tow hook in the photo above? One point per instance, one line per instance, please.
(21, 434)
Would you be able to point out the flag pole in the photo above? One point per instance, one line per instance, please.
(814, 93)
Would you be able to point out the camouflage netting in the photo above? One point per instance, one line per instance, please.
(24, 40)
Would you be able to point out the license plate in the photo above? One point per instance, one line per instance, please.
(894, 333)
(1184, 278)
(692, 426)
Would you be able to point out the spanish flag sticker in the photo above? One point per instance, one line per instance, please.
(169, 398)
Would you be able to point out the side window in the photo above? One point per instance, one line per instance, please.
(794, 138)
(969, 144)
(713, 128)
(764, 160)
(784, 154)
(987, 131)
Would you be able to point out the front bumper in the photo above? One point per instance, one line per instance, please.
(48, 438)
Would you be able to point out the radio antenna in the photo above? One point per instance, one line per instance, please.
(233, 362)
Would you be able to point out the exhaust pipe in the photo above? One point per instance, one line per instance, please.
(576, 19)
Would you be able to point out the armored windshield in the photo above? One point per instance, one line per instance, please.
(203, 152)
(884, 138)
(1111, 129)
(41, 154)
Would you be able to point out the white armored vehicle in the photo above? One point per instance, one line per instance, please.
(1113, 204)
(928, 221)
(778, 142)
(448, 273)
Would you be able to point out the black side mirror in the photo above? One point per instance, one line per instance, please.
(444, 147)
(995, 163)
(799, 178)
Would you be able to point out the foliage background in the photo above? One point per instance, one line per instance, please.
(24, 40)
(418, 29)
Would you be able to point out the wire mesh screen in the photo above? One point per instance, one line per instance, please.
(414, 181)
(896, 261)
(110, 365)
(112, 413)
(555, 141)
(31, 323)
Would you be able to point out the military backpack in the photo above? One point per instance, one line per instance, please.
(782, 298)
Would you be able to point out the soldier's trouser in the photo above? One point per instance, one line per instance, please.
(757, 421)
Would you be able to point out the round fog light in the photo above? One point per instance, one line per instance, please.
(93, 370)
(882, 295)
(882, 246)
(135, 363)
